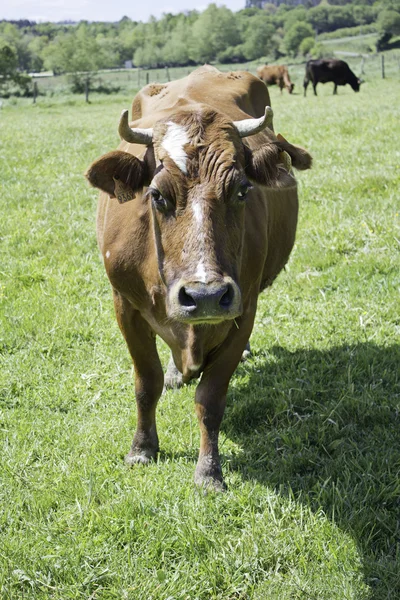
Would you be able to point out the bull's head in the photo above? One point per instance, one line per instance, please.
(356, 84)
(198, 174)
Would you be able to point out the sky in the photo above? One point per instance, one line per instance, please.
(102, 10)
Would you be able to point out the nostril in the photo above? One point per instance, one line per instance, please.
(186, 299)
(227, 298)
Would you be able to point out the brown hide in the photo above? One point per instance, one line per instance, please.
(147, 250)
(276, 75)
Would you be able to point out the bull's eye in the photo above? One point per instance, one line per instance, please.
(244, 189)
(160, 203)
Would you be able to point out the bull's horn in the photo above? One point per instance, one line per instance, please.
(252, 126)
(134, 136)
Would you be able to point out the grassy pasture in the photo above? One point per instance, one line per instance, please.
(311, 435)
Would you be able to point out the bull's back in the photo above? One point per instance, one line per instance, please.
(235, 94)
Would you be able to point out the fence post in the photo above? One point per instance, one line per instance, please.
(87, 89)
(138, 76)
(167, 74)
(35, 91)
(383, 66)
(147, 77)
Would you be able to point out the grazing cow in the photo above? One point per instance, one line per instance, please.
(330, 69)
(195, 218)
(276, 75)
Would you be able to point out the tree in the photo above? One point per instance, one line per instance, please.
(79, 54)
(294, 16)
(295, 35)
(306, 45)
(148, 55)
(8, 61)
(9, 70)
(213, 31)
(388, 25)
(258, 36)
(175, 50)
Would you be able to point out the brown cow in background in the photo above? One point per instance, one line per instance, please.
(197, 215)
(276, 75)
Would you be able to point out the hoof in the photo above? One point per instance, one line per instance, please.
(139, 458)
(246, 353)
(210, 484)
(208, 475)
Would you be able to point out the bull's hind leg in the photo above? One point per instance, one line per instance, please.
(173, 377)
(149, 379)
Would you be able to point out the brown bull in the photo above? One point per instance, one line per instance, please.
(276, 75)
(210, 222)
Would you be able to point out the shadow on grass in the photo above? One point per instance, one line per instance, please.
(324, 427)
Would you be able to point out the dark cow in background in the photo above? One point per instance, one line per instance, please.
(330, 69)
(276, 75)
(197, 215)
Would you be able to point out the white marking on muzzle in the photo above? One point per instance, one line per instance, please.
(201, 273)
(173, 142)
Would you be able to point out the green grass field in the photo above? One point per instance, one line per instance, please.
(311, 437)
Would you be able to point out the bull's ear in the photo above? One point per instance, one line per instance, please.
(262, 164)
(301, 159)
(118, 173)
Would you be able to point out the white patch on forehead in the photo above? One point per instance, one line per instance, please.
(108, 254)
(173, 142)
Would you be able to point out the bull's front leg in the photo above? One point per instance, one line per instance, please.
(210, 406)
(210, 401)
(149, 379)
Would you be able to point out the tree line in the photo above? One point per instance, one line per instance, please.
(189, 38)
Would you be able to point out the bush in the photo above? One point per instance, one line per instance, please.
(348, 32)
(231, 55)
(306, 46)
(388, 24)
(19, 86)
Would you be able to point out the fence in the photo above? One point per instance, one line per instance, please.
(374, 65)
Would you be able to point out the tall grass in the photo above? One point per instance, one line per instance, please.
(310, 440)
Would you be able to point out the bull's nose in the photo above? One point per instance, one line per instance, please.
(206, 298)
